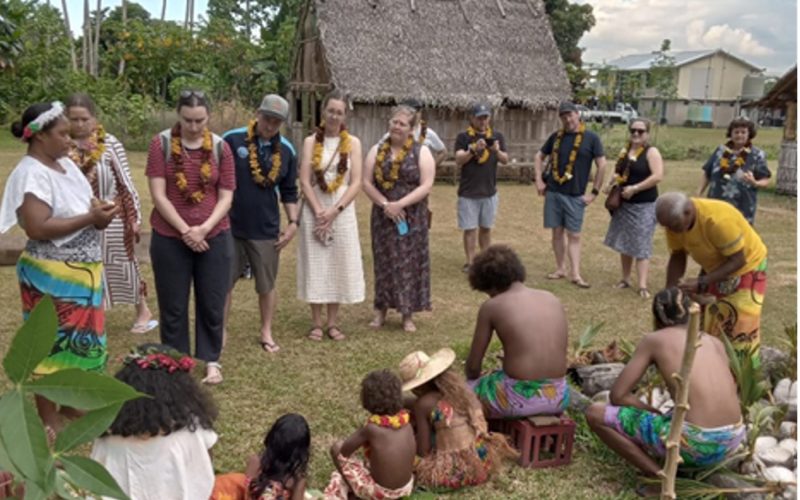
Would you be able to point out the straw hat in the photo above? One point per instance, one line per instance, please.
(418, 368)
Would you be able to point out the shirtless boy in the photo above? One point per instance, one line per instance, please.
(532, 327)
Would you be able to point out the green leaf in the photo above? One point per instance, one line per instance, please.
(86, 428)
(90, 475)
(24, 438)
(65, 489)
(83, 390)
(34, 492)
(5, 460)
(33, 341)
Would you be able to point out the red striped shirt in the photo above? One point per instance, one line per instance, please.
(193, 214)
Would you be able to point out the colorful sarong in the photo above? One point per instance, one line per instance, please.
(700, 447)
(77, 292)
(235, 486)
(737, 312)
(505, 397)
(359, 478)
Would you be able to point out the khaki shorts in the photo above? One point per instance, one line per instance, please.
(263, 258)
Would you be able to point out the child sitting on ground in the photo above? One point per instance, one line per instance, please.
(453, 440)
(157, 447)
(388, 442)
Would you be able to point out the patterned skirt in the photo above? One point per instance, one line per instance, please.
(631, 230)
(77, 292)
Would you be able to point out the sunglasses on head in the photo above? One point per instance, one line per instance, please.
(638, 130)
(185, 94)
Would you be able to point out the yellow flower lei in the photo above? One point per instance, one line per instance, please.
(255, 165)
(396, 421)
(473, 134)
(573, 155)
(624, 162)
(316, 159)
(725, 161)
(397, 161)
(88, 162)
(180, 174)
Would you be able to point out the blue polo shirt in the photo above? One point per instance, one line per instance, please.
(255, 213)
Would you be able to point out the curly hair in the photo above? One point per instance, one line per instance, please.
(670, 308)
(496, 269)
(176, 400)
(285, 455)
(742, 122)
(382, 393)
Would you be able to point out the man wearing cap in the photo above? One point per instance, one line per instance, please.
(427, 136)
(571, 150)
(478, 151)
(266, 167)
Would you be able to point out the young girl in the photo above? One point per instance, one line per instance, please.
(452, 437)
(158, 446)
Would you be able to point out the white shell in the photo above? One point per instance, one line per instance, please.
(779, 475)
(790, 445)
(775, 456)
(765, 443)
(788, 430)
(782, 390)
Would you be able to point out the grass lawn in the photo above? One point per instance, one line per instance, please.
(321, 380)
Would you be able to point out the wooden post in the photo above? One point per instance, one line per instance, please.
(673, 443)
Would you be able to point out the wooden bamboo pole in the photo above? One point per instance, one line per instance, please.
(681, 378)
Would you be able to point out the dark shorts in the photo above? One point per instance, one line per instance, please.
(561, 210)
(263, 258)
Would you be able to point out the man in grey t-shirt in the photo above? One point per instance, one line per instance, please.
(478, 151)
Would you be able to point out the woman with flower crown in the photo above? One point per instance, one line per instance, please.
(329, 267)
(638, 171)
(398, 177)
(737, 169)
(102, 158)
(157, 446)
(51, 200)
(191, 177)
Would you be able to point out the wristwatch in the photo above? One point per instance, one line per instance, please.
(595, 191)
(291, 221)
(340, 208)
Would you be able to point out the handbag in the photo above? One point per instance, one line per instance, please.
(430, 218)
(614, 199)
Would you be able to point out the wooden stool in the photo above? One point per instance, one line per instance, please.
(543, 441)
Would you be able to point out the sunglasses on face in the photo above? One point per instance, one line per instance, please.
(635, 131)
(185, 94)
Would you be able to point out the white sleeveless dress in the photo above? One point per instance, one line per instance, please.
(334, 273)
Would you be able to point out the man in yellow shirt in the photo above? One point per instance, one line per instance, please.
(733, 260)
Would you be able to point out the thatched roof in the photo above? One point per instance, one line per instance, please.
(784, 90)
(448, 53)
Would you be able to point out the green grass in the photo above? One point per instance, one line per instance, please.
(321, 380)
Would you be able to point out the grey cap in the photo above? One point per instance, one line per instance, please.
(481, 109)
(567, 107)
(275, 106)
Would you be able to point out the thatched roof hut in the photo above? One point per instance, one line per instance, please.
(447, 54)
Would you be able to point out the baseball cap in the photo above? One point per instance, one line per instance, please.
(567, 107)
(481, 109)
(275, 106)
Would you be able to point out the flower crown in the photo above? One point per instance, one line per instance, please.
(41, 121)
(156, 360)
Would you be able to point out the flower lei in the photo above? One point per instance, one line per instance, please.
(396, 421)
(573, 155)
(725, 161)
(394, 172)
(624, 162)
(96, 148)
(180, 173)
(473, 134)
(255, 164)
(160, 360)
(316, 159)
(423, 131)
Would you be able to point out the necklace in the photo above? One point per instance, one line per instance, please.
(255, 163)
(396, 421)
(474, 135)
(397, 161)
(741, 159)
(573, 155)
(316, 159)
(88, 156)
(180, 173)
(624, 162)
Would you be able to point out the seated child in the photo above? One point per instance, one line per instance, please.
(279, 473)
(532, 327)
(157, 447)
(453, 440)
(713, 426)
(388, 442)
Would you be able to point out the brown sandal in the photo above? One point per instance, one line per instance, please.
(316, 334)
(335, 333)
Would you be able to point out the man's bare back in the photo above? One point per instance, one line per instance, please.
(532, 327)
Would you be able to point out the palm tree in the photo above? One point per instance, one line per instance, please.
(98, 19)
(69, 35)
(121, 68)
(163, 9)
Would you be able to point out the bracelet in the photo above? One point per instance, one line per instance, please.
(384, 204)
(340, 208)
(595, 191)
(292, 222)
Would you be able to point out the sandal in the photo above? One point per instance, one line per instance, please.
(140, 328)
(580, 283)
(409, 326)
(268, 346)
(556, 275)
(316, 333)
(622, 284)
(335, 333)
(213, 374)
(644, 293)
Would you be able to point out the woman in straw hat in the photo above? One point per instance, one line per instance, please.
(452, 436)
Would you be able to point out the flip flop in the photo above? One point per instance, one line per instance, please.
(644, 293)
(409, 326)
(581, 284)
(338, 335)
(213, 378)
(555, 275)
(622, 284)
(316, 337)
(140, 328)
(270, 347)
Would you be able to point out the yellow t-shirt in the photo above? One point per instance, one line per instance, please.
(719, 231)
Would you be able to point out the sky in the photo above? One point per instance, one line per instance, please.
(762, 32)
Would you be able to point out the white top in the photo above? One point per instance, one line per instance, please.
(67, 194)
(172, 467)
(432, 139)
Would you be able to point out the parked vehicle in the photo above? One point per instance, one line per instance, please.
(623, 113)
